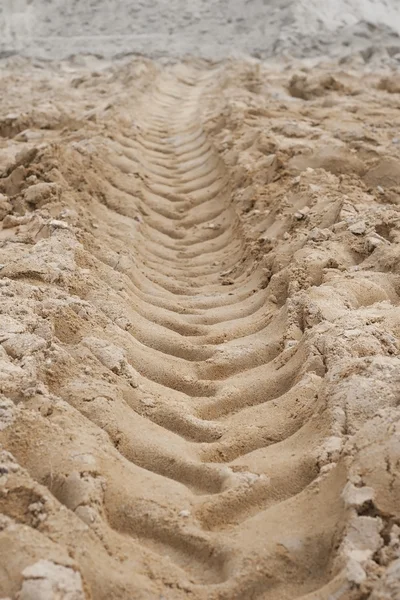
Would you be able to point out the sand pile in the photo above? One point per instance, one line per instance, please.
(58, 29)
(199, 325)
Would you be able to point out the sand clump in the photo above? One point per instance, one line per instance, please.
(199, 328)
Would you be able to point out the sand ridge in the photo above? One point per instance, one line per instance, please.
(199, 332)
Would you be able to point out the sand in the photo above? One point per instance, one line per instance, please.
(199, 331)
(199, 323)
(212, 29)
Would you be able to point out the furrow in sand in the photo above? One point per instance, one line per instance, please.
(193, 181)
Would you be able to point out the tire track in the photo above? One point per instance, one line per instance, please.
(231, 369)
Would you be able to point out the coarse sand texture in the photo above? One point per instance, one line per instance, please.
(199, 322)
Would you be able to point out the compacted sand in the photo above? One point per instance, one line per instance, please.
(199, 328)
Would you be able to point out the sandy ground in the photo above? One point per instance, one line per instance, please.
(199, 327)
(208, 28)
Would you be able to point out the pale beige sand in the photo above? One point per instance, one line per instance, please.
(199, 321)
(211, 29)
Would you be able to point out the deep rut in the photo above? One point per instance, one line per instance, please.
(237, 407)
